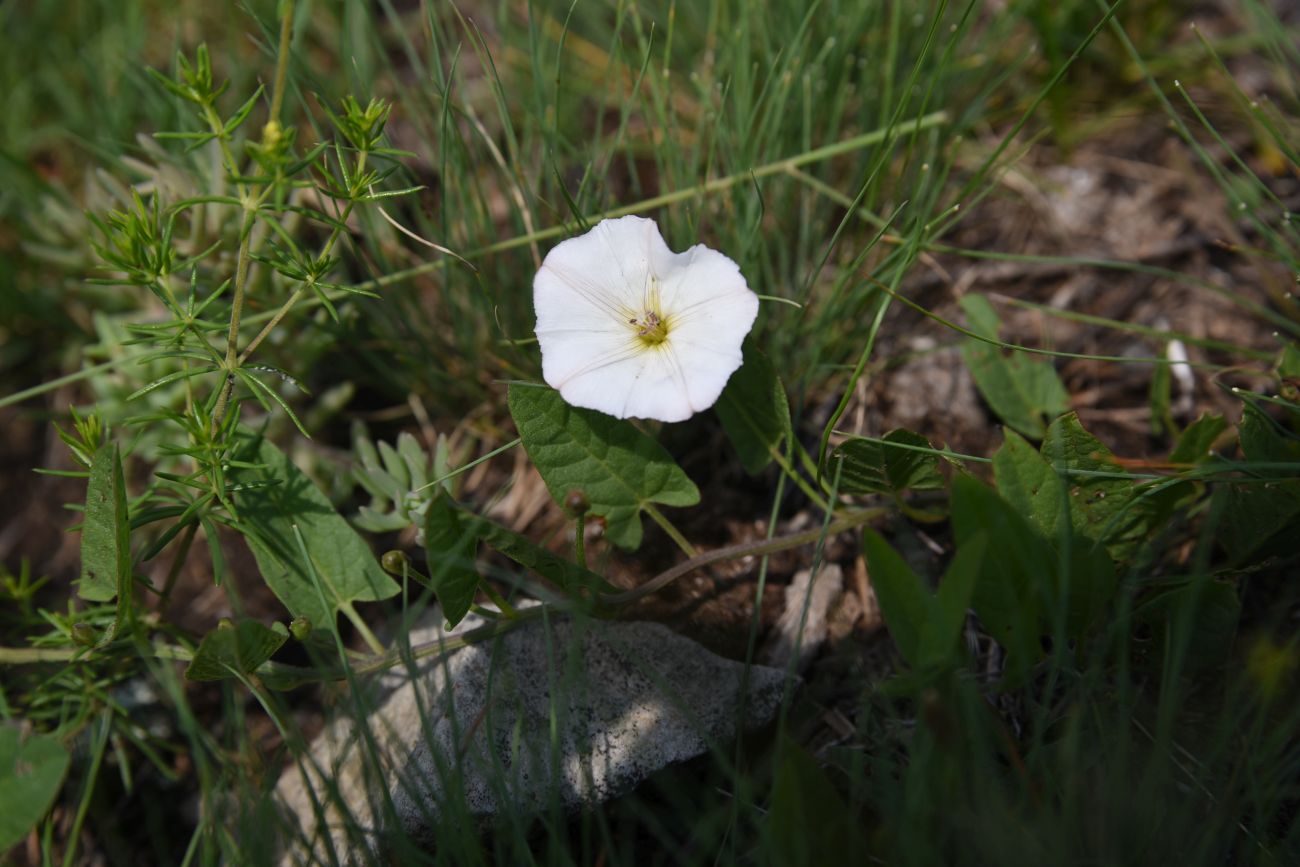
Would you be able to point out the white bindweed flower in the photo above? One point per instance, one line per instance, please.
(630, 328)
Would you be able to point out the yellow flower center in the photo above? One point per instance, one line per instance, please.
(651, 329)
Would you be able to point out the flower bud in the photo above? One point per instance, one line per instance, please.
(395, 562)
(83, 634)
(300, 628)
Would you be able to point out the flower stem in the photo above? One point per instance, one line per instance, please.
(799, 480)
(747, 549)
(579, 540)
(673, 532)
(497, 599)
(364, 631)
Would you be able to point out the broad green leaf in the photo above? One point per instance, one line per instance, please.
(1028, 482)
(754, 410)
(31, 773)
(277, 496)
(1255, 512)
(900, 463)
(1288, 364)
(1017, 582)
(942, 629)
(808, 824)
(106, 532)
(1212, 609)
(1104, 505)
(1194, 443)
(1025, 392)
(617, 467)
(235, 648)
(452, 543)
(1263, 440)
(1035, 490)
(904, 601)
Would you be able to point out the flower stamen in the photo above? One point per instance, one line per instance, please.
(651, 329)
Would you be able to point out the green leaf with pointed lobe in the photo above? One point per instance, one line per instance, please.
(235, 648)
(276, 497)
(1023, 391)
(754, 410)
(31, 773)
(452, 543)
(618, 468)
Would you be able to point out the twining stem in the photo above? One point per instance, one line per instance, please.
(387, 659)
(673, 533)
(746, 549)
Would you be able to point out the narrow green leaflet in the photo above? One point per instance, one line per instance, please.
(1025, 392)
(808, 821)
(452, 543)
(904, 600)
(942, 629)
(901, 461)
(754, 410)
(276, 496)
(1017, 583)
(619, 469)
(237, 648)
(31, 773)
(105, 534)
(925, 626)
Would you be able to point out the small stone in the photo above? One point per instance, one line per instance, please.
(625, 699)
(802, 627)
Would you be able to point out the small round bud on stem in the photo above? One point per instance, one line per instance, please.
(576, 501)
(300, 627)
(395, 562)
(83, 634)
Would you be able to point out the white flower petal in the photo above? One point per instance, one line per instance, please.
(593, 296)
(609, 267)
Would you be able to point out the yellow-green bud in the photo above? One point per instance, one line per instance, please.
(300, 628)
(395, 562)
(83, 634)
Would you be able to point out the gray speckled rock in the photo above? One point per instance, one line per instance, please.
(622, 699)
